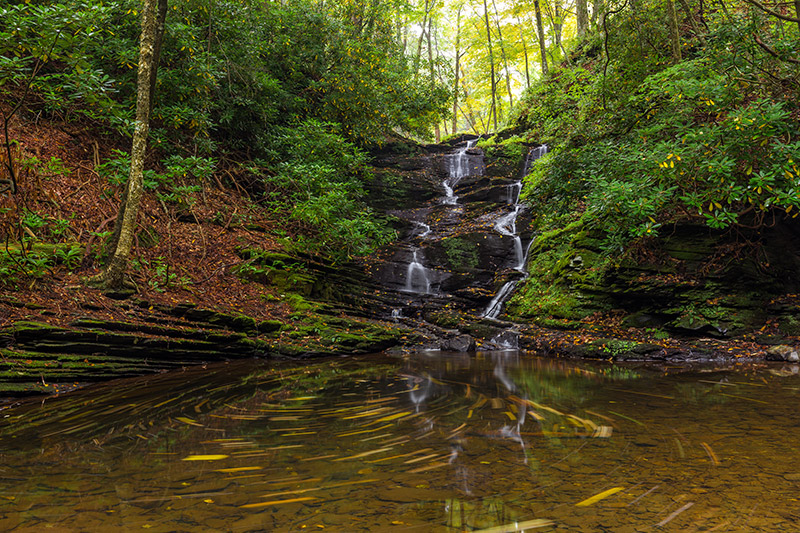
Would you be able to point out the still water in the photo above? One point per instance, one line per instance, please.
(488, 442)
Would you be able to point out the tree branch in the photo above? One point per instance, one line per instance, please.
(771, 51)
(765, 9)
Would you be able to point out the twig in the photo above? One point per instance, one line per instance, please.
(673, 515)
(771, 51)
(765, 9)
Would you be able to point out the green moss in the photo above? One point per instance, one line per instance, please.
(447, 318)
(462, 254)
(563, 266)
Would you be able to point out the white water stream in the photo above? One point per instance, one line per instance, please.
(458, 167)
(417, 279)
(507, 225)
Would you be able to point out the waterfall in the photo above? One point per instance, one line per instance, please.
(513, 192)
(457, 167)
(507, 225)
(417, 279)
(421, 230)
(496, 305)
(533, 155)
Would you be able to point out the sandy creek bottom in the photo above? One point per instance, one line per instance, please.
(438, 442)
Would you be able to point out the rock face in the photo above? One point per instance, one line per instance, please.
(451, 254)
(692, 282)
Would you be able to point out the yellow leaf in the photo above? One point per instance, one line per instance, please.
(204, 457)
(276, 502)
(187, 420)
(672, 164)
(239, 469)
(394, 416)
(758, 190)
(597, 497)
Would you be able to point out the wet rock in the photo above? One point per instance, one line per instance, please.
(508, 339)
(783, 352)
(460, 343)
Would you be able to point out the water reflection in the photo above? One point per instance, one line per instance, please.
(444, 443)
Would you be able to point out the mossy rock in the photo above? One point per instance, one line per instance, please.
(447, 318)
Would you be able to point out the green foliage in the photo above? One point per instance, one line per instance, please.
(644, 140)
(161, 276)
(318, 181)
(53, 41)
(510, 148)
(35, 261)
(461, 254)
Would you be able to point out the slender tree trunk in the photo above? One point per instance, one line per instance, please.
(698, 33)
(525, 52)
(674, 32)
(503, 55)
(597, 8)
(457, 68)
(540, 31)
(436, 128)
(797, 13)
(491, 62)
(558, 24)
(160, 22)
(581, 17)
(421, 36)
(113, 277)
(161, 19)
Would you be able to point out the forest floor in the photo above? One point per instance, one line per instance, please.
(189, 257)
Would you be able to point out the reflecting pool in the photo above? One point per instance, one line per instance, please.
(439, 442)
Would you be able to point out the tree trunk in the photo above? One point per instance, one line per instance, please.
(597, 8)
(698, 33)
(525, 52)
(540, 32)
(581, 17)
(457, 68)
(797, 13)
(421, 37)
(491, 62)
(437, 131)
(674, 32)
(113, 277)
(503, 55)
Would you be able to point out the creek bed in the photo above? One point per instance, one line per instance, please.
(436, 442)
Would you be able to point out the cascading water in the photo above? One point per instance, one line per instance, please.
(458, 167)
(507, 225)
(417, 279)
(496, 305)
(421, 230)
(533, 155)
